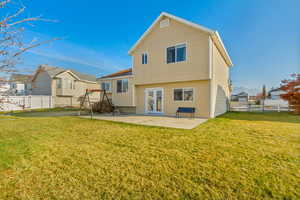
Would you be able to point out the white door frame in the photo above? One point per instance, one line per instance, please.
(146, 102)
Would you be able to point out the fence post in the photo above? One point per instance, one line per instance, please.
(23, 103)
(41, 101)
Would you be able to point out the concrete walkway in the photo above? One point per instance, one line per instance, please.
(163, 121)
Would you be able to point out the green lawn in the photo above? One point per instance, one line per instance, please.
(235, 156)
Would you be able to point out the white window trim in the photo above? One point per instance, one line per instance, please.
(59, 82)
(146, 103)
(122, 92)
(184, 88)
(110, 85)
(147, 58)
(178, 44)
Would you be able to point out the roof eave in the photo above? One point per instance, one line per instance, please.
(68, 71)
(223, 49)
(115, 77)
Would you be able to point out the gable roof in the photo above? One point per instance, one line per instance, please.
(54, 71)
(241, 94)
(125, 72)
(276, 90)
(214, 35)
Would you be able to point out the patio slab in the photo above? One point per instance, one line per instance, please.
(162, 121)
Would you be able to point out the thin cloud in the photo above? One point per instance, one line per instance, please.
(68, 59)
(69, 52)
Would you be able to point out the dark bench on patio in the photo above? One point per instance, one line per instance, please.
(186, 110)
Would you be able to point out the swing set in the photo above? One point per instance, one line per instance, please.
(87, 100)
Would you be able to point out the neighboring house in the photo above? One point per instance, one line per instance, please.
(176, 63)
(252, 98)
(4, 86)
(240, 97)
(20, 84)
(66, 86)
(274, 94)
(119, 87)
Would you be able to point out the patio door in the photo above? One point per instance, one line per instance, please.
(154, 100)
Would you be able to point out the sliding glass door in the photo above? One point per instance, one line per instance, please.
(154, 100)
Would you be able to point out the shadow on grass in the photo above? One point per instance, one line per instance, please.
(45, 114)
(263, 116)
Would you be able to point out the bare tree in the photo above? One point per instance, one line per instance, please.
(264, 95)
(12, 44)
(12, 27)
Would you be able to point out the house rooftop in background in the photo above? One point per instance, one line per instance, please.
(3, 80)
(275, 90)
(53, 71)
(125, 72)
(66, 86)
(22, 78)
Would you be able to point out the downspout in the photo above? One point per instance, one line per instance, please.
(211, 76)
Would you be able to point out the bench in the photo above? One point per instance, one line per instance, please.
(185, 110)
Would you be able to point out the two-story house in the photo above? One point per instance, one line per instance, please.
(20, 84)
(66, 86)
(176, 63)
(4, 86)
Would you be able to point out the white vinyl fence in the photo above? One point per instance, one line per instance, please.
(269, 105)
(10, 103)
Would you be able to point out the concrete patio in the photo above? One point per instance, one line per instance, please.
(162, 121)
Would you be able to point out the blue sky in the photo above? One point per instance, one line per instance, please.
(261, 36)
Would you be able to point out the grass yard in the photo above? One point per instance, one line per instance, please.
(236, 156)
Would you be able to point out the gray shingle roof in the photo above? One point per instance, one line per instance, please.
(53, 71)
(22, 78)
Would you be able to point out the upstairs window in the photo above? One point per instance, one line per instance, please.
(106, 86)
(176, 53)
(58, 83)
(144, 58)
(65, 84)
(122, 85)
(69, 84)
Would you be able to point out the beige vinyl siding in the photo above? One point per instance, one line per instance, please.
(204, 70)
(73, 96)
(120, 99)
(200, 101)
(109, 93)
(220, 85)
(196, 66)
